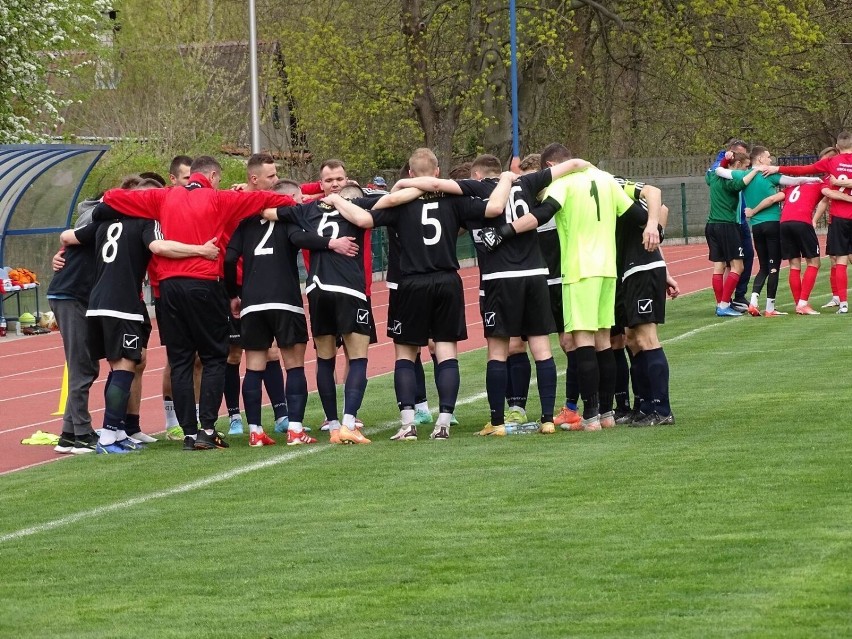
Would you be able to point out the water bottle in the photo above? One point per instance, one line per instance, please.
(522, 429)
(2, 326)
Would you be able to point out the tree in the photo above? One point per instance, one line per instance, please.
(31, 36)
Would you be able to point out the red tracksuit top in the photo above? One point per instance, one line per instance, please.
(194, 214)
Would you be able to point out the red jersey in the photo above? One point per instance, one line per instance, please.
(840, 166)
(194, 214)
(800, 202)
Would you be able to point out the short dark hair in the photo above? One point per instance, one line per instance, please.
(531, 162)
(461, 171)
(487, 163)
(285, 185)
(733, 142)
(148, 183)
(150, 175)
(130, 182)
(555, 153)
(258, 160)
(179, 161)
(205, 164)
(756, 151)
(332, 164)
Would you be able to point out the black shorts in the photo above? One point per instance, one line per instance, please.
(839, 237)
(429, 306)
(374, 337)
(235, 329)
(157, 314)
(392, 304)
(285, 327)
(798, 239)
(339, 313)
(642, 299)
(724, 241)
(112, 338)
(147, 327)
(555, 292)
(517, 306)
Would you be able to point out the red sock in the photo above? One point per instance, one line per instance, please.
(730, 285)
(808, 282)
(717, 286)
(795, 280)
(832, 279)
(842, 282)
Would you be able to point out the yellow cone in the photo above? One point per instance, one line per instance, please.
(63, 394)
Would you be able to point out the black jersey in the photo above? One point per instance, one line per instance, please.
(122, 258)
(77, 277)
(270, 271)
(331, 271)
(521, 256)
(428, 230)
(630, 253)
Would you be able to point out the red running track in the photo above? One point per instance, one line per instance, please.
(31, 367)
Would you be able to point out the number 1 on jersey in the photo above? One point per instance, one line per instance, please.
(594, 193)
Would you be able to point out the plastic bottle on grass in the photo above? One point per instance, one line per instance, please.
(521, 429)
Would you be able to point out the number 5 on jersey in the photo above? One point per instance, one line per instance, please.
(428, 221)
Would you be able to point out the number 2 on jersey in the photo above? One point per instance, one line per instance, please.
(262, 249)
(429, 221)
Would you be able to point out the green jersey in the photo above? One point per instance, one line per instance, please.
(756, 191)
(724, 198)
(589, 203)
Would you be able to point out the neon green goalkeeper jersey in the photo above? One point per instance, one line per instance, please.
(590, 201)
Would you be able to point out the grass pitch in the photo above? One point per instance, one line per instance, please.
(736, 522)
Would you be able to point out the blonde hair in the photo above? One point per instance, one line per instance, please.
(423, 162)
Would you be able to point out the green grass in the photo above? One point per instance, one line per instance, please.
(737, 522)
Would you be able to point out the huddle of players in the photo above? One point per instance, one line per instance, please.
(515, 282)
(782, 224)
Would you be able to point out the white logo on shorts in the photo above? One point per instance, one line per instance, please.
(130, 341)
(396, 329)
(476, 234)
(363, 316)
(490, 319)
(645, 306)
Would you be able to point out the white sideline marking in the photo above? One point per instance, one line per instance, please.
(193, 485)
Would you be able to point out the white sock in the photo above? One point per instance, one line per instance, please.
(254, 428)
(770, 304)
(197, 417)
(755, 299)
(171, 416)
(835, 298)
(724, 304)
(108, 437)
(349, 420)
(333, 424)
(444, 419)
(802, 303)
(424, 406)
(406, 416)
(295, 427)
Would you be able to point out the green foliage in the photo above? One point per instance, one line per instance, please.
(31, 37)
